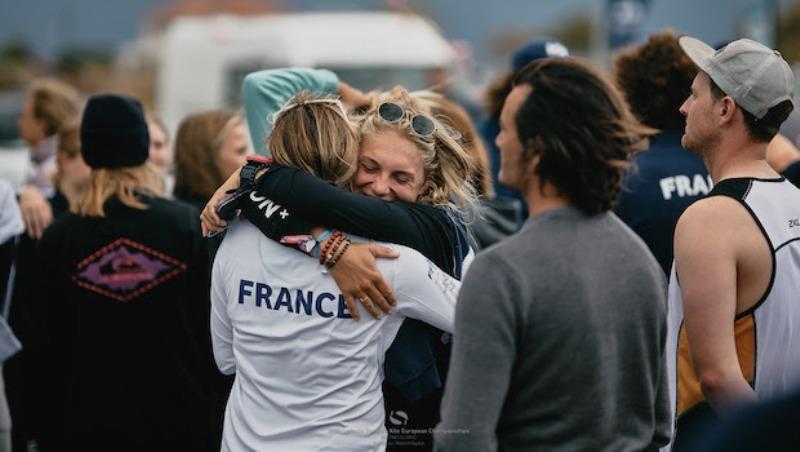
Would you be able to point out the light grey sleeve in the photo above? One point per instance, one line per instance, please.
(423, 291)
(662, 434)
(484, 348)
(663, 413)
(11, 223)
(221, 330)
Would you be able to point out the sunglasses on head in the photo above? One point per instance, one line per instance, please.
(292, 103)
(421, 125)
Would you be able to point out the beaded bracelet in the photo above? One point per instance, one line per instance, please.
(326, 247)
(336, 252)
(329, 246)
(339, 253)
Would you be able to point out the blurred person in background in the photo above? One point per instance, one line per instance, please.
(655, 78)
(792, 173)
(449, 82)
(510, 202)
(782, 153)
(411, 188)
(70, 180)
(11, 226)
(72, 173)
(49, 106)
(161, 150)
(784, 157)
(492, 224)
(124, 347)
(767, 426)
(209, 147)
(564, 322)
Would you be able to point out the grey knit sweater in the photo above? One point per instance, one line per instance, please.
(559, 342)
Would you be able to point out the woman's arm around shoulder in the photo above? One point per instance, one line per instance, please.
(265, 92)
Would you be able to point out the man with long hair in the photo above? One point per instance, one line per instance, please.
(560, 330)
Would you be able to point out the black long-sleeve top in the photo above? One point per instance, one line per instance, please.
(428, 229)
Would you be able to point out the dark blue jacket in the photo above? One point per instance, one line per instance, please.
(792, 173)
(664, 180)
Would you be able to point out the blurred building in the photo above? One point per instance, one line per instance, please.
(197, 57)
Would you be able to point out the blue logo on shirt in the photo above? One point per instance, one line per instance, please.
(295, 301)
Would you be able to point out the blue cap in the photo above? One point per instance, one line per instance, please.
(536, 49)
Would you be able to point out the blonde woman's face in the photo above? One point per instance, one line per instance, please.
(389, 167)
(233, 153)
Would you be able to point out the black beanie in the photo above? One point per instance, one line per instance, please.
(114, 132)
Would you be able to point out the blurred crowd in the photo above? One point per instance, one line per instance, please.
(501, 281)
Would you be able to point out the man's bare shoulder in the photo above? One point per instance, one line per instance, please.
(715, 215)
(714, 237)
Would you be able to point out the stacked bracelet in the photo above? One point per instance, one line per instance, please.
(333, 250)
(326, 253)
(337, 254)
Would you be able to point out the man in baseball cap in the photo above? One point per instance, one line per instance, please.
(736, 273)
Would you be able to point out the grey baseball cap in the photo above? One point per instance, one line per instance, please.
(755, 76)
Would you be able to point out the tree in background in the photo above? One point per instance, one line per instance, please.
(17, 65)
(789, 33)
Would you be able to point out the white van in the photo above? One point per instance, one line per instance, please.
(204, 59)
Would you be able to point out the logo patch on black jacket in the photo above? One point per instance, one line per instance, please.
(124, 269)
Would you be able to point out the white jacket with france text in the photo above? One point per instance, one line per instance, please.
(308, 376)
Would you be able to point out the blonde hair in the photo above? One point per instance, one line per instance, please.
(450, 113)
(315, 135)
(197, 145)
(122, 183)
(54, 103)
(448, 166)
(69, 145)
